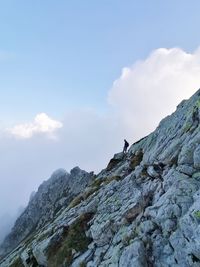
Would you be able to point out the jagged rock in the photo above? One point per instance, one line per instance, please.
(38, 252)
(133, 255)
(115, 160)
(197, 157)
(83, 259)
(147, 227)
(132, 213)
(59, 189)
(28, 258)
(142, 210)
(102, 233)
(186, 154)
(186, 169)
(119, 156)
(153, 172)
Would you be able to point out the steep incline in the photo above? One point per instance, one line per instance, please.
(51, 196)
(142, 210)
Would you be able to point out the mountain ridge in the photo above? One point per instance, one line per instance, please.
(142, 210)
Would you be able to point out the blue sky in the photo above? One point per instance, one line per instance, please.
(77, 77)
(68, 53)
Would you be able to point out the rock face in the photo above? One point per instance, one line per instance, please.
(142, 210)
(51, 196)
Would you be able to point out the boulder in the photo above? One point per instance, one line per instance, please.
(196, 158)
(134, 255)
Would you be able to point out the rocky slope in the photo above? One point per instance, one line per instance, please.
(143, 210)
(51, 196)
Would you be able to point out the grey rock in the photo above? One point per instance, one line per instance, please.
(133, 255)
(45, 202)
(197, 157)
(83, 259)
(119, 156)
(147, 227)
(38, 252)
(186, 169)
(186, 154)
(102, 233)
(152, 172)
(149, 215)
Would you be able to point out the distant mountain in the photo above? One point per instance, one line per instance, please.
(52, 195)
(142, 210)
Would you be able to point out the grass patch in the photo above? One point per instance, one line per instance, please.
(112, 178)
(77, 200)
(97, 183)
(136, 159)
(90, 191)
(197, 214)
(17, 263)
(144, 171)
(83, 196)
(82, 264)
(73, 239)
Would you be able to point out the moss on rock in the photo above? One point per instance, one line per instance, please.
(136, 159)
(17, 263)
(73, 240)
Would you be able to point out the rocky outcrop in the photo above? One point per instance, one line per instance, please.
(143, 209)
(52, 195)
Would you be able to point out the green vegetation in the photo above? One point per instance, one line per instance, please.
(76, 201)
(136, 159)
(197, 214)
(72, 240)
(83, 196)
(17, 263)
(89, 192)
(97, 183)
(82, 264)
(197, 104)
(144, 171)
(112, 178)
(187, 126)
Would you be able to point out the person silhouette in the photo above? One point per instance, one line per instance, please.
(126, 145)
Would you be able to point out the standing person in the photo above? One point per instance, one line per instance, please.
(126, 145)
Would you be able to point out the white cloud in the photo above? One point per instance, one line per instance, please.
(42, 124)
(150, 89)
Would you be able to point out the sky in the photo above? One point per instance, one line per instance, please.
(77, 77)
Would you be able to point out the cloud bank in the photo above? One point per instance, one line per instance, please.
(150, 89)
(143, 94)
(42, 124)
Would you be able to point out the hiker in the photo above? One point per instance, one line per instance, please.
(126, 145)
